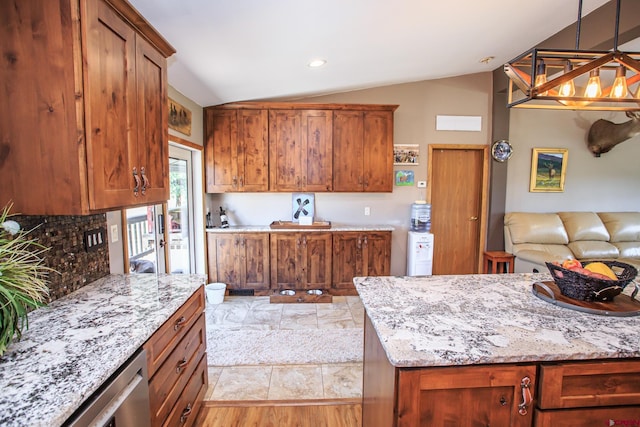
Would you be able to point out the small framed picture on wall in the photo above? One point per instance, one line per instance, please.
(406, 154)
(548, 169)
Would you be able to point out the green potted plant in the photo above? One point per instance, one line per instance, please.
(23, 277)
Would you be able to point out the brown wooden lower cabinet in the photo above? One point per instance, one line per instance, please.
(357, 254)
(538, 394)
(240, 260)
(301, 260)
(177, 365)
(264, 262)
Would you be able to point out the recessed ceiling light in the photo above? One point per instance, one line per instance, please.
(315, 63)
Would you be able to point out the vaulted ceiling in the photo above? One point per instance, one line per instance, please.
(235, 50)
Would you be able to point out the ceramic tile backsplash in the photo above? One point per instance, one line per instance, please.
(64, 235)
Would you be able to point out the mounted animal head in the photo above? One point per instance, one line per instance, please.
(604, 135)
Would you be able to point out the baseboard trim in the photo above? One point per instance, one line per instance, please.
(305, 402)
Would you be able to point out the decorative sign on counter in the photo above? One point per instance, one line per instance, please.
(303, 206)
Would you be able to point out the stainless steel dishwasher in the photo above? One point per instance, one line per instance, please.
(123, 401)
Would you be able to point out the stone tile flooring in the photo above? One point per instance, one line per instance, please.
(285, 382)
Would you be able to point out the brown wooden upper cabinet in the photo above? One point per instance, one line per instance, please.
(304, 147)
(363, 151)
(84, 101)
(300, 150)
(236, 150)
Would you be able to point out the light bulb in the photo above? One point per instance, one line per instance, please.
(568, 88)
(619, 88)
(541, 77)
(593, 89)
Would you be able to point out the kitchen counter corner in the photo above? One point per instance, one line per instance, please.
(77, 342)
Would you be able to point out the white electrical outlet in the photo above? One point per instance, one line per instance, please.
(114, 233)
(367, 211)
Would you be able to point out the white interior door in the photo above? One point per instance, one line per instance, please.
(180, 212)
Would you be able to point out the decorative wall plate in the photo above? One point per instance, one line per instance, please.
(501, 150)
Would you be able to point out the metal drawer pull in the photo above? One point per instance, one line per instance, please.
(526, 395)
(179, 323)
(136, 178)
(185, 413)
(145, 181)
(181, 364)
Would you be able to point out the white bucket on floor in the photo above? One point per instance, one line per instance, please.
(215, 292)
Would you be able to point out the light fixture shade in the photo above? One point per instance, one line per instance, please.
(619, 88)
(566, 67)
(594, 86)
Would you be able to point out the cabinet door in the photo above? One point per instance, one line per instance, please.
(285, 250)
(152, 123)
(255, 260)
(285, 150)
(221, 151)
(315, 261)
(347, 259)
(316, 158)
(376, 254)
(378, 151)
(348, 139)
(466, 396)
(253, 150)
(223, 259)
(110, 112)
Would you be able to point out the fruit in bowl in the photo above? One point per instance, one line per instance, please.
(596, 269)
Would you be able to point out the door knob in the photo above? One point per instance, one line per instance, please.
(473, 218)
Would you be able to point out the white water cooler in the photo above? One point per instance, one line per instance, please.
(419, 253)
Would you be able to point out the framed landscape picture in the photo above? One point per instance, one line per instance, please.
(548, 169)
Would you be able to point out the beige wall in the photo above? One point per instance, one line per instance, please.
(414, 124)
(608, 183)
(196, 117)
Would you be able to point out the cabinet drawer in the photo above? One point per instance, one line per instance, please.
(186, 409)
(168, 383)
(164, 340)
(621, 416)
(589, 384)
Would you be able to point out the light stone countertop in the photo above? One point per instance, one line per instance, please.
(267, 229)
(484, 319)
(77, 342)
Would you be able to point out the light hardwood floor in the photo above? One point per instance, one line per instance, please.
(294, 414)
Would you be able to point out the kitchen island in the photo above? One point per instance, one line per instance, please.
(483, 350)
(77, 342)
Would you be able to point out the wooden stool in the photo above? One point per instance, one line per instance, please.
(499, 261)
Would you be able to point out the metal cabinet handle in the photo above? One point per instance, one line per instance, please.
(365, 241)
(181, 365)
(234, 182)
(145, 181)
(179, 323)
(136, 178)
(525, 386)
(185, 413)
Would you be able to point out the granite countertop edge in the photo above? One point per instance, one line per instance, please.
(77, 342)
(267, 229)
(442, 321)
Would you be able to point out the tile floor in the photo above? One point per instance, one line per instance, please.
(285, 382)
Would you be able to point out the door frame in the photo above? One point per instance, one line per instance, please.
(484, 197)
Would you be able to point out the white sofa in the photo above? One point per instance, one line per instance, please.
(534, 238)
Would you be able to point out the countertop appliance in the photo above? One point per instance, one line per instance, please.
(123, 401)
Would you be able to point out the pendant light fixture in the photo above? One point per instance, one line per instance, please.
(573, 79)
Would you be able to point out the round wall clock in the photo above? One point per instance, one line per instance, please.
(501, 150)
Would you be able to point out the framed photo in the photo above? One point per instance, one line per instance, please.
(179, 118)
(407, 154)
(302, 206)
(404, 178)
(548, 169)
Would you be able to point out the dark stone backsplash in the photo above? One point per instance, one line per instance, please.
(64, 235)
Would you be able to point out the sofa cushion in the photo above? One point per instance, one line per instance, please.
(622, 226)
(542, 228)
(593, 250)
(584, 226)
(540, 253)
(628, 249)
